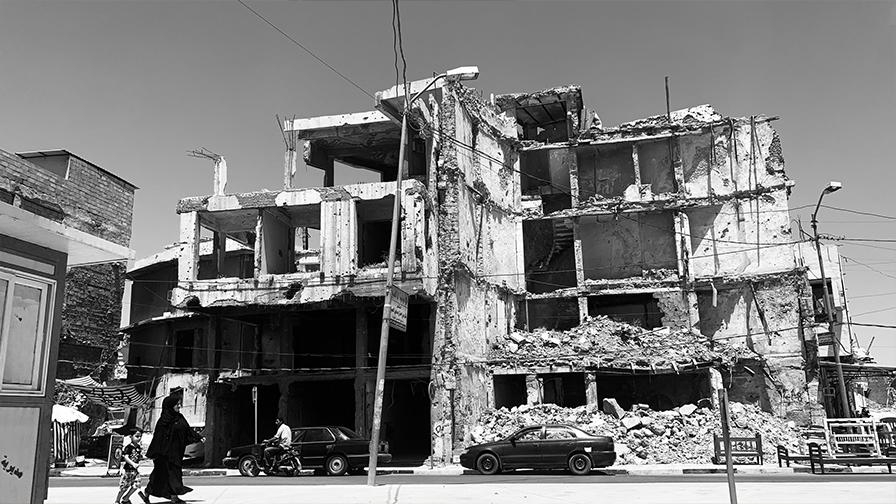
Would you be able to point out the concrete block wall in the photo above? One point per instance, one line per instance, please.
(90, 199)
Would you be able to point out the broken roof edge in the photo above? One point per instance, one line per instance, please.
(368, 117)
(296, 196)
(686, 120)
(505, 101)
(172, 252)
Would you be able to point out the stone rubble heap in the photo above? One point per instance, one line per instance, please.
(600, 342)
(683, 435)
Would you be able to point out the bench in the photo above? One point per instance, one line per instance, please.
(784, 456)
(817, 458)
(741, 448)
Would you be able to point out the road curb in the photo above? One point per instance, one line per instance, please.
(61, 473)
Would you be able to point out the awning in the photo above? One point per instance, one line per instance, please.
(64, 414)
(116, 395)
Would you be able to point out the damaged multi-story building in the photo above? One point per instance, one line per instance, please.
(520, 212)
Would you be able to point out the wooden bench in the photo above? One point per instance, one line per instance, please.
(784, 456)
(741, 447)
(817, 458)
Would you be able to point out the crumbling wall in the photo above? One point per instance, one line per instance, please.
(445, 166)
(748, 159)
(655, 166)
(91, 317)
(628, 246)
(489, 195)
(676, 308)
(762, 315)
(745, 236)
(604, 171)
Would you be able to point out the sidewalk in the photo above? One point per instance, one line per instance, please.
(687, 492)
(456, 470)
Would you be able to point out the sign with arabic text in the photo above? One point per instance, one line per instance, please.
(398, 315)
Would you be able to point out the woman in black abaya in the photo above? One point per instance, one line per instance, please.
(169, 439)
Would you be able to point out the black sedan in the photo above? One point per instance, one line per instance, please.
(337, 450)
(552, 446)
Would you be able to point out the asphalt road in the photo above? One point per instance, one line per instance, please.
(521, 477)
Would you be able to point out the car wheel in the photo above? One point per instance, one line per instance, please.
(337, 465)
(580, 464)
(487, 463)
(248, 466)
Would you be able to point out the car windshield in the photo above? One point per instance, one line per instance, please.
(346, 433)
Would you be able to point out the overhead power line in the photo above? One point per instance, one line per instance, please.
(859, 212)
(872, 268)
(309, 51)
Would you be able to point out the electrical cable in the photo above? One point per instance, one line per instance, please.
(309, 51)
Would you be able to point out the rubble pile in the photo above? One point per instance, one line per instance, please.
(643, 436)
(600, 342)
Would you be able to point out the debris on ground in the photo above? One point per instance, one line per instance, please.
(601, 342)
(683, 435)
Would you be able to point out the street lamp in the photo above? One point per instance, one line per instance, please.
(454, 75)
(844, 400)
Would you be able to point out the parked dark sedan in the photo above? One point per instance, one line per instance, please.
(334, 449)
(552, 446)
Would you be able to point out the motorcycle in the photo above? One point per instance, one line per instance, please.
(285, 463)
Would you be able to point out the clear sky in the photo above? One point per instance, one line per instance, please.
(131, 86)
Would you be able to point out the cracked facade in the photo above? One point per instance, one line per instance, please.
(522, 216)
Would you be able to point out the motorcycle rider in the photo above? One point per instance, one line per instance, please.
(283, 438)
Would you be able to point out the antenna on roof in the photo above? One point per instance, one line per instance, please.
(220, 167)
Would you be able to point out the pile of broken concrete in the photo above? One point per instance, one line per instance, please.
(683, 435)
(600, 342)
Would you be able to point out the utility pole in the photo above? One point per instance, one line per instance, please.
(457, 74)
(387, 313)
(255, 407)
(841, 383)
(726, 437)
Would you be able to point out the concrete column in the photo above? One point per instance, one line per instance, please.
(188, 259)
(683, 245)
(636, 163)
(591, 389)
(572, 162)
(580, 269)
(339, 237)
(283, 403)
(677, 168)
(411, 236)
(534, 389)
(715, 385)
(361, 413)
(259, 244)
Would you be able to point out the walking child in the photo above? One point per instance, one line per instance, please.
(131, 456)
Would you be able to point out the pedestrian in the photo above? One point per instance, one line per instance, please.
(131, 456)
(169, 440)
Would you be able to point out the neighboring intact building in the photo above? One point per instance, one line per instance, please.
(521, 213)
(51, 223)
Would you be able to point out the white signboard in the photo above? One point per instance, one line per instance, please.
(398, 317)
(18, 441)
